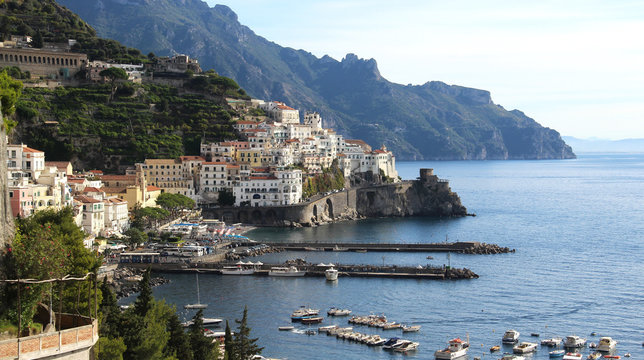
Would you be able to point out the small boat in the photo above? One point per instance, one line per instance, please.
(406, 346)
(534, 334)
(557, 354)
(572, 356)
(312, 320)
(574, 341)
(390, 342)
(310, 332)
(594, 356)
(303, 312)
(612, 357)
(308, 248)
(592, 345)
(391, 326)
(375, 340)
(510, 337)
(512, 357)
(524, 348)
(429, 257)
(322, 329)
(455, 349)
(593, 334)
(286, 328)
(331, 274)
(627, 355)
(552, 342)
(414, 328)
(338, 312)
(361, 250)
(290, 271)
(495, 348)
(336, 248)
(237, 270)
(606, 344)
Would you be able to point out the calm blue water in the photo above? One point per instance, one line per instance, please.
(577, 226)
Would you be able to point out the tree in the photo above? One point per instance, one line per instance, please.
(226, 198)
(202, 347)
(143, 302)
(154, 335)
(135, 237)
(244, 347)
(228, 344)
(111, 314)
(10, 90)
(37, 40)
(178, 346)
(110, 348)
(175, 202)
(114, 75)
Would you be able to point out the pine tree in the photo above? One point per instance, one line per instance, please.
(143, 303)
(228, 344)
(111, 313)
(37, 40)
(244, 346)
(202, 347)
(178, 345)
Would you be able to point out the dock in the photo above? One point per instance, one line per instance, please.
(469, 247)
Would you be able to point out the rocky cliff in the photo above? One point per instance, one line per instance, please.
(418, 122)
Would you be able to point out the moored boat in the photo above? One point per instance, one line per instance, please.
(413, 328)
(406, 346)
(510, 337)
(552, 342)
(237, 270)
(574, 341)
(286, 328)
(594, 356)
(304, 312)
(390, 343)
(495, 348)
(338, 312)
(290, 271)
(524, 348)
(556, 354)
(572, 356)
(456, 348)
(606, 344)
(206, 322)
(312, 320)
(391, 326)
(512, 357)
(327, 328)
(331, 274)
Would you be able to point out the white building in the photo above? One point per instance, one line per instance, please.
(280, 187)
(281, 113)
(117, 220)
(23, 161)
(93, 214)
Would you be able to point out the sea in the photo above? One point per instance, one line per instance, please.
(578, 230)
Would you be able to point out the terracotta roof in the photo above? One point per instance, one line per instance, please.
(58, 164)
(98, 172)
(291, 140)
(91, 189)
(192, 158)
(284, 107)
(86, 199)
(378, 151)
(76, 181)
(152, 188)
(114, 190)
(341, 155)
(357, 142)
(232, 166)
(116, 200)
(25, 148)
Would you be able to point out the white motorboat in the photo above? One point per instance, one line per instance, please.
(206, 322)
(392, 343)
(406, 346)
(456, 349)
(338, 312)
(331, 274)
(237, 270)
(286, 328)
(552, 342)
(606, 344)
(322, 329)
(524, 348)
(304, 313)
(414, 328)
(512, 357)
(572, 356)
(290, 271)
(510, 337)
(574, 341)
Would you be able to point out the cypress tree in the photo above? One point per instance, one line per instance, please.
(111, 313)
(178, 345)
(245, 347)
(143, 303)
(202, 347)
(228, 344)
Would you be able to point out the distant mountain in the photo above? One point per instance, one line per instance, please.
(603, 145)
(430, 121)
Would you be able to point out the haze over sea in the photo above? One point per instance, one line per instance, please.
(577, 226)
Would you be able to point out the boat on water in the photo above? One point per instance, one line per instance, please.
(391, 343)
(612, 357)
(241, 268)
(308, 248)
(206, 322)
(304, 312)
(556, 354)
(413, 328)
(198, 305)
(552, 342)
(574, 341)
(510, 337)
(572, 356)
(606, 344)
(312, 320)
(429, 257)
(286, 328)
(361, 250)
(338, 312)
(331, 274)
(376, 340)
(290, 271)
(592, 345)
(512, 357)
(322, 329)
(391, 326)
(495, 348)
(534, 334)
(337, 248)
(407, 346)
(456, 349)
(594, 356)
(310, 332)
(524, 348)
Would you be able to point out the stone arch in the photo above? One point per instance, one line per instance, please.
(243, 217)
(329, 207)
(257, 217)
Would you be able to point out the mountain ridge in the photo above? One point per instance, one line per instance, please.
(418, 122)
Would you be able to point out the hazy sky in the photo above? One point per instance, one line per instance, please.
(573, 65)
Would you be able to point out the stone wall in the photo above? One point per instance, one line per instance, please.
(428, 196)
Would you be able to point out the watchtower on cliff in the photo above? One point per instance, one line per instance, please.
(427, 176)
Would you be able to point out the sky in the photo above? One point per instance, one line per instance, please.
(576, 66)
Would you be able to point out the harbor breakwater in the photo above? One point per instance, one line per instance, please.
(426, 196)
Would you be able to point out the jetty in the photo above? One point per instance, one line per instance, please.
(468, 247)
